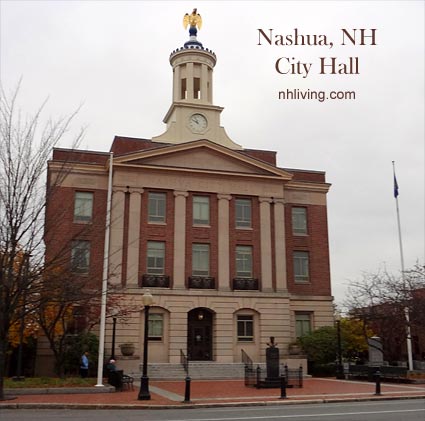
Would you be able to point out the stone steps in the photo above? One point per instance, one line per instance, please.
(197, 370)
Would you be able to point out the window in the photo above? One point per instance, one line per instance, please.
(83, 206)
(201, 210)
(302, 324)
(301, 266)
(156, 207)
(245, 328)
(156, 258)
(243, 261)
(200, 260)
(80, 256)
(299, 221)
(243, 213)
(156, 323)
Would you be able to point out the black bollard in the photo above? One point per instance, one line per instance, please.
(282, 387)
(378, 383)
(258, 377)
(187, 389)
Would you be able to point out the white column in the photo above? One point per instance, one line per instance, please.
(266, 244)
(280, 244)
(117, 235)
(223, 281)
(133, 244)
(204, 83)
(177, 84)
(179, 239)
(189, 81)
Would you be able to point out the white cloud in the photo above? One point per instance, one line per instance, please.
(113, 56)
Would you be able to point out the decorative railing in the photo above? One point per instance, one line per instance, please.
(257, 377)
(154, 281)
(202, 282)
(248, 284)
(184, 361)
(293, 376)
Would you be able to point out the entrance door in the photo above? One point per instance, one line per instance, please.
(199, 338)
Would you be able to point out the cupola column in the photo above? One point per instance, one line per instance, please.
(189, 82)
(206, 84)
(176, 83)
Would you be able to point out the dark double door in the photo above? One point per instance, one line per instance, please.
(199, 338)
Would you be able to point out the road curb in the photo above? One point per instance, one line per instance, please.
(192, 405)
(58, 390)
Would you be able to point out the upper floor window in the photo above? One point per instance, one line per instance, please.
(245, 327)
(243, 261)
(156, 207)
(243, 213)
(301, 264)
(200, 260)
(83, 206)
(156, 326)
(80, 256)
(201, 210)
(302, 324)
(299, 220)
(155, 258)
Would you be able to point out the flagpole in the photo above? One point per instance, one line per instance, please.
(101, 351)
(406, 309)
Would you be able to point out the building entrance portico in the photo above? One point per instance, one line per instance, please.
(199, 334)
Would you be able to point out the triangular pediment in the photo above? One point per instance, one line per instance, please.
(201, 156)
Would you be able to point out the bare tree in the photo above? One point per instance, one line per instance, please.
(381, 299)
(25, 146)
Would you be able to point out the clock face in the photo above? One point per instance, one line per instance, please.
(197, 123)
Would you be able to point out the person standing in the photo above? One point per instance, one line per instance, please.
(84, 365)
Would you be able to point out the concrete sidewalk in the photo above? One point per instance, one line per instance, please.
(207, 393)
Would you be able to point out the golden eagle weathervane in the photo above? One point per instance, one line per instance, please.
(193, 20)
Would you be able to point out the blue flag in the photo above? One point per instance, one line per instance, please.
(395, 187)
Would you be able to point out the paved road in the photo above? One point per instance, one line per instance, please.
(396, 410)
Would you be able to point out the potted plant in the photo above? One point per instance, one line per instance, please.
(294, 348)
(127, 349)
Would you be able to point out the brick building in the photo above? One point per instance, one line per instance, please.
(233, 248)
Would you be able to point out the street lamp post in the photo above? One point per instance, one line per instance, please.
(144, 381)
(114, 326)
(339, 368)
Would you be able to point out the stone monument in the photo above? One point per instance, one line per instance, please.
(272, 364)
(376, 355)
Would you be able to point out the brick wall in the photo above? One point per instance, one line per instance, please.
(245, 237)
(60, 229)
(316, 243)
(157, 232)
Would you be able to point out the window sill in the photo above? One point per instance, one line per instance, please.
(76, 221)
(244, 228)
(298, 234)
(202, 225)
(156, 223)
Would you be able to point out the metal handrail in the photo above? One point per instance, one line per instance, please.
(246, 359)
(184, 361)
